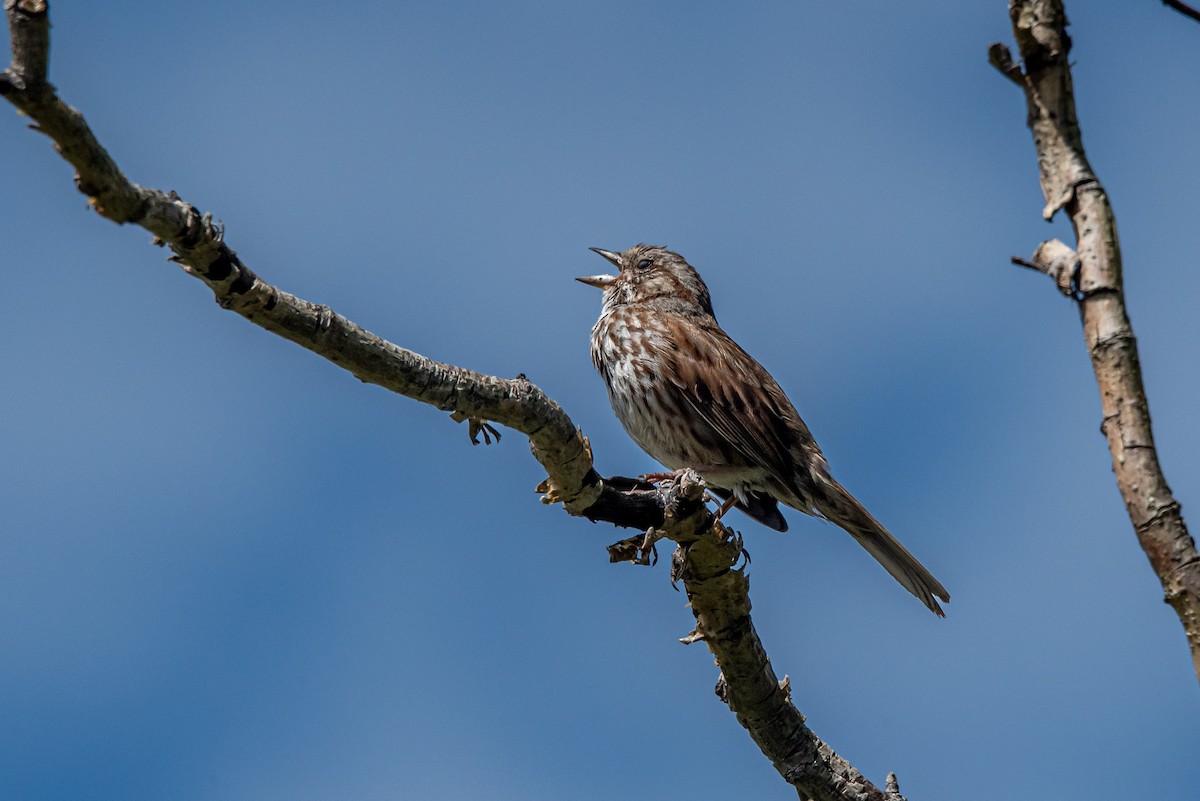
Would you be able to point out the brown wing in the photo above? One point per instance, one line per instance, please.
(739, 399)
(745, 406)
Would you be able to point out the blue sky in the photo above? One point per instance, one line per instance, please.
(231, 571)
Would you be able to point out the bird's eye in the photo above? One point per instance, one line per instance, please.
(644, 264)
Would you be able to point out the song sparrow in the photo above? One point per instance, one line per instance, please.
(691, 397)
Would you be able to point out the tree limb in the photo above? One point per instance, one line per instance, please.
(707, 553)
(1091, 274)
(1183, 8)
(720, 600)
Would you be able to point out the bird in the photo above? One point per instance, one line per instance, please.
(691, 397)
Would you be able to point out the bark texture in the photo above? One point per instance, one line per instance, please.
(720, 600)
(707, 554)
(1091, 275)
(1183, 8)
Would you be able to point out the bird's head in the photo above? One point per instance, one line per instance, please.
(652, 275)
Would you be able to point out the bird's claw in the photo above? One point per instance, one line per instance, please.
(725, 506)
(665, 475)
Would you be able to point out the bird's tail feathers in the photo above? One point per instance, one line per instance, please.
(758, 505)
(841, 508)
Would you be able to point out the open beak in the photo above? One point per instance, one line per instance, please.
(602, 281)
(599, 281)
(613, 258)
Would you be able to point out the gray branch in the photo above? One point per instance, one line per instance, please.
(707, 552)
(1091, 275)
(1183, 8)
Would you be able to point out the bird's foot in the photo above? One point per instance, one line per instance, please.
(666, 475)
(725, 507)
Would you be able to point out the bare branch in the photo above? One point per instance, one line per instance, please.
(719, 598)
(1091, 273)
(1000, 57)
(1055, 259)
(1183, 8)
(707, 553)
(29, 32)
